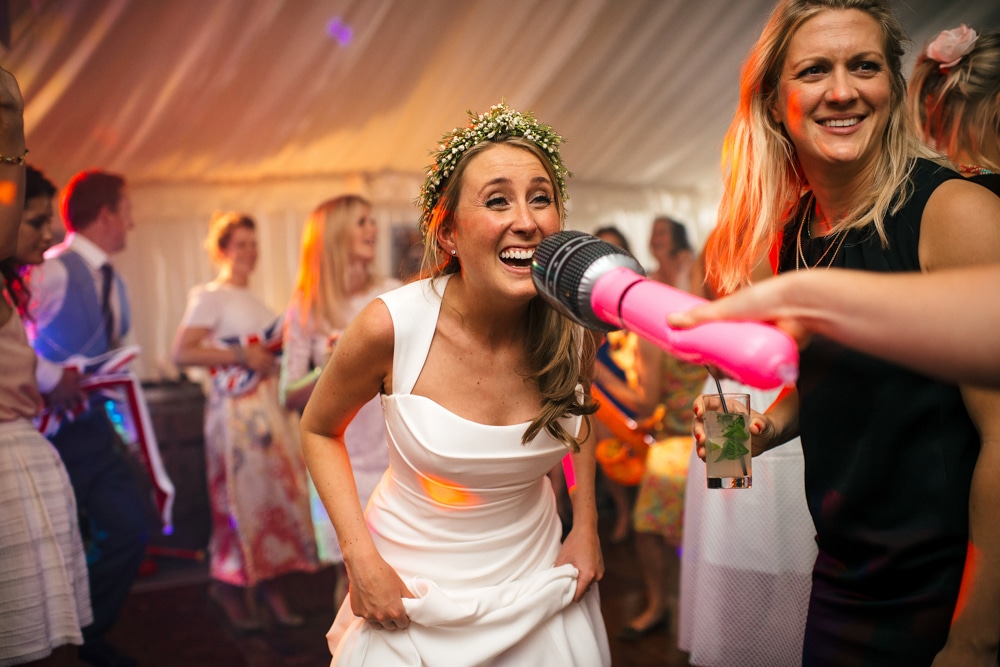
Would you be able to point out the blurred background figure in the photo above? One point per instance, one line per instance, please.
(256, 474)
(954, 97)
(336, 280)
(670, 386)
(44, 593)
(616, 376)
(80, 307)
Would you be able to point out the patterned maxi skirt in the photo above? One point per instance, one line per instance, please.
(257, 487)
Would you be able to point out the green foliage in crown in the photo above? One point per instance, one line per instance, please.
(501, 120)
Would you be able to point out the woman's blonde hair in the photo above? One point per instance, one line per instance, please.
(220, 232)
(957, 109)
(321, 287)
(762, 177)
(560, 353)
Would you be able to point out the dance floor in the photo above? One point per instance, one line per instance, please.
(169, 620)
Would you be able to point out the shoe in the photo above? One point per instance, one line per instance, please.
(279, 610)
(620, 534)
(100, 653)
(288, 619)
(630, 634)
(239, 618)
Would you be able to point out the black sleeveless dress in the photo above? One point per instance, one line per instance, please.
(889, 456)
(989, 181)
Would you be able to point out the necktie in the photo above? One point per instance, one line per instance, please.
(107, 314)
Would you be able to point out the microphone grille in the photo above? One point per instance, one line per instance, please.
(561, 265)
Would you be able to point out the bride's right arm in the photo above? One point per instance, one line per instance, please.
(359, 369)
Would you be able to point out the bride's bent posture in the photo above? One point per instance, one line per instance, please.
(457, 559)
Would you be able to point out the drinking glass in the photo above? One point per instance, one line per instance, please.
(727, 441)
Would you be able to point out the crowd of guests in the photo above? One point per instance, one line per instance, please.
(407, 434)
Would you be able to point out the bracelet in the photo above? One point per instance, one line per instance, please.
(241, 354)
(18, 159)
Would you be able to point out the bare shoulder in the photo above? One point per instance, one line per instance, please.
(371, 328)
(366, 346)
(960, 226)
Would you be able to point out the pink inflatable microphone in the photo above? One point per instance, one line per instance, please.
(600, 286)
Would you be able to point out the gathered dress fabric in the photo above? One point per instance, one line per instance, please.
(44, 590)
(305, 348)
(748, 554)
(889, 458)
(466, 516)
(261, 526)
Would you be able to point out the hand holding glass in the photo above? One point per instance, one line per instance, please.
(727, 441)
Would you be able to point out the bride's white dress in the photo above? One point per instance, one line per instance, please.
(466, 515)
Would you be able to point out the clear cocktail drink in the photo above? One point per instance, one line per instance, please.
(727, 441)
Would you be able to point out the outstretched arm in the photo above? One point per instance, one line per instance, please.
(942, 323)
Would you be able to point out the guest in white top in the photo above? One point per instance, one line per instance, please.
(336, 280)
(256, 475)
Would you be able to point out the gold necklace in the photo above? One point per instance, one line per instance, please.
(806, 219)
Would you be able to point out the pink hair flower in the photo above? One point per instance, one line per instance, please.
(950, 46)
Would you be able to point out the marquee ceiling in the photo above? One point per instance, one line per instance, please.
(238, 91)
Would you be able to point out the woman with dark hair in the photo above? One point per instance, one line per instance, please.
(617, 375)
(34, 238)
(669, 387)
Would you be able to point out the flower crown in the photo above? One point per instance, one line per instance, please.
(950, 46)
(499, 121)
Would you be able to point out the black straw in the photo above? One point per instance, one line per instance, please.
(725, 409)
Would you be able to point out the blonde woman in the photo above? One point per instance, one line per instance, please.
(261, 527)
(822, 161)
(336, 280)
(457, 559)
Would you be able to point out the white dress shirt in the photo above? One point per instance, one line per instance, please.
(49, 283)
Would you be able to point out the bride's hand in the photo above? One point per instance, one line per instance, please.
(582, 549)
(377, 593)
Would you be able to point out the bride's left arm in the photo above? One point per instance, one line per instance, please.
(582, 547)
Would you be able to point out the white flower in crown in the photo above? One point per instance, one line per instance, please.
(501, 120)
(950, 46)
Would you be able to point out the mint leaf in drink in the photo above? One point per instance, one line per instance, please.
(734, 428)
(733, 450)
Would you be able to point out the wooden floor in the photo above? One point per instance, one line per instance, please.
(169, 620)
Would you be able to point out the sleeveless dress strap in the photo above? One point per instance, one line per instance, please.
(414, 310)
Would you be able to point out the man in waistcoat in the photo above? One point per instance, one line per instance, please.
(80, 306)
